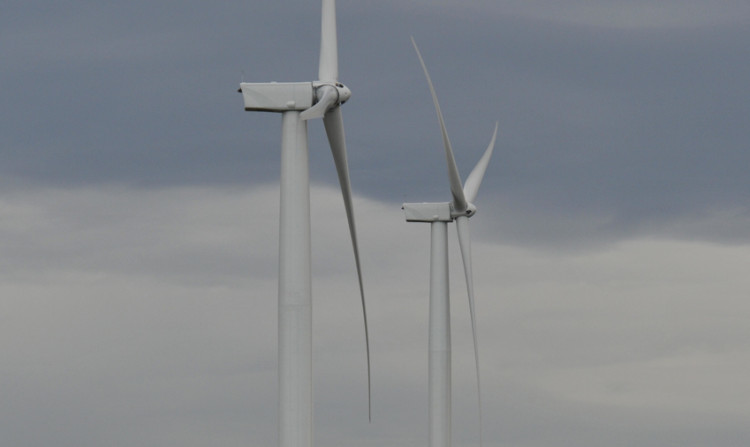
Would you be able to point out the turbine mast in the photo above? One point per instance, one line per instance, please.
(295, 287)
(439, 356)
(439, 343)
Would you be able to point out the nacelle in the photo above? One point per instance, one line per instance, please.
(427, 212)
(277, 96)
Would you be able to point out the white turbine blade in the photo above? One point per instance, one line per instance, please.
(459, 200)
(334, 125)
(464, 242)
(471, 187)
(328, 96)
(328, 68)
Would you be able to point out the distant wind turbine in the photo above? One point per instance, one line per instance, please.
(298, 102)
(438, 215)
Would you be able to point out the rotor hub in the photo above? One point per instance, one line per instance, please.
(343, 93)
(468, 212)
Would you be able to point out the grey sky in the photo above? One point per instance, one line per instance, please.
(139, 202)
(624, 117)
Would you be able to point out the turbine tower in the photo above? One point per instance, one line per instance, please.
(299, 102)
(460, 209)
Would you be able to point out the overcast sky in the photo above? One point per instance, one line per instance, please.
(139, 213)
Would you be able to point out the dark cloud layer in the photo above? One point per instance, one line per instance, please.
(631, 124)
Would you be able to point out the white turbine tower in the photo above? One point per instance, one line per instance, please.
(298, 102)
(438, 215)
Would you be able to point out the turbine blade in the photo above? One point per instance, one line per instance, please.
(464, 242)
(334, 125)
(328, 68)
(328, 98)
(459, 200)
(471, 187)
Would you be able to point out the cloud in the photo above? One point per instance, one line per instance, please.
(607, 130)
(106, 326)
(170, 233)
(638, 14)
(606, 13)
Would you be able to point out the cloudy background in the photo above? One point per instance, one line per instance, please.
(139, 209)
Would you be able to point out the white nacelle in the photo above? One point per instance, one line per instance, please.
(277, 96)
(427, 212)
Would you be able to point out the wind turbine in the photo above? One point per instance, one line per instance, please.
(299, 102)
(460, 209)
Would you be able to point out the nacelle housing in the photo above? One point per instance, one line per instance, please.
(277, 96)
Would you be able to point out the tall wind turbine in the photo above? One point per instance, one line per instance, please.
(299, 102)
(460, 209)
